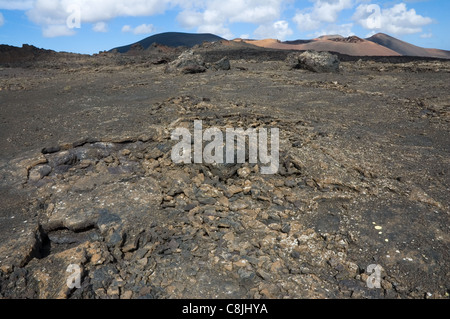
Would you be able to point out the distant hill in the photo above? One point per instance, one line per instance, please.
(294, 42)
(405, 48)
(380, 45)
(331, 37)
(27, 53)
(172, 39)
(337, 44)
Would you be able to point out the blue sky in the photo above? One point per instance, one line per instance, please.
(90, 26)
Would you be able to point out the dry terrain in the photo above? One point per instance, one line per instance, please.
(87, 179)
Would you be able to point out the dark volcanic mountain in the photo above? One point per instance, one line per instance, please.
(405, 48)
(173, 39)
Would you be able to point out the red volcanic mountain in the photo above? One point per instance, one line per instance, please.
(377, 45)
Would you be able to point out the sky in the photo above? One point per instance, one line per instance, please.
(91, 26)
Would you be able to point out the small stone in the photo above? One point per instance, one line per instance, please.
(266, 293)
(143, 261)
(364, 277)
(285, 228)
(171, 289)
(97, 259)
(305, 270)
(108, 159)
(386, 285)
(295, 254)
(206, 200)
(101, 293)
(39, 172)
(223, 225)
(154, 153)
(140, 253)
(127, 295)
(223, 201)
(228, 236)
(247, 187)
(6, 269)
(129, 247)
(264, 198)
(116, 239)
(276, 266)
(241, 263)
(228, 266)
(238, 205)
(353, 268)
(85, 164)
(190, 206)
(144, 138)
(125, 152)
(192, 69)
(233, 189)
(244, 172)
(275, 226)
(173, 244)
(290, 183)
(51, 149)
(113, 291)
(246, 274)
(278, 182)
(222, 64)
(263, 274)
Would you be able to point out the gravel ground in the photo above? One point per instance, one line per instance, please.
(88, 180)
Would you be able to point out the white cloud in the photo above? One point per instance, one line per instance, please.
(209, 21)
(278, 30)
(207, 16)
(127, 28)
(190, 19)
(328, 11)
(396, 20)
(214, 16)
(16, 4)
(47, 12)
(53, 11)
(217, 16)
(251, 11)
(100, 27)
(217, 29)
(141, 29)
(144, 29)
(323, 11)
(53, 31)
(306, 22)
(2, 19)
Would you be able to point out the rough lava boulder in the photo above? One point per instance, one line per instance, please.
(187, 63)
(320, 62)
